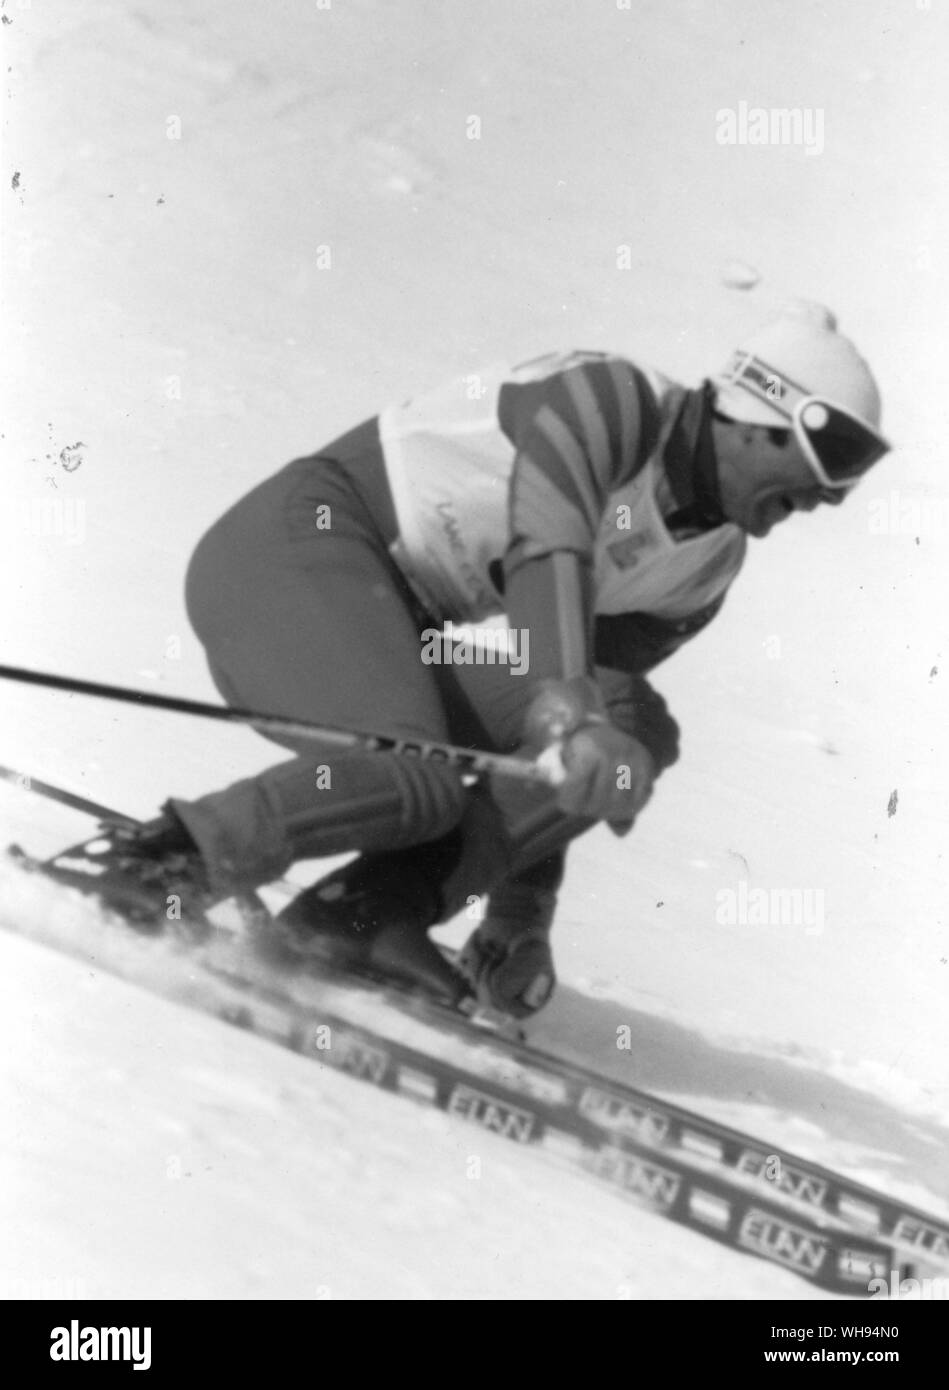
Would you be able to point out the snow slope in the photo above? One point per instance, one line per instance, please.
(168, 322)
(192, 1162)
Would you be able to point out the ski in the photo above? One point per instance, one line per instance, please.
(463, 1060)
(529, 1105)
(633, 1120)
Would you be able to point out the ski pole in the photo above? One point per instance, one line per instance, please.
(448, 754)
(30, 783)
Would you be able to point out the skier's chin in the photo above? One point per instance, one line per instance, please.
(760, 526)
(766, 515)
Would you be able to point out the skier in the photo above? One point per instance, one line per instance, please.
(595, 510)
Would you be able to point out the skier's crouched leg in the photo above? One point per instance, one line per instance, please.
(252, 831)
(512, 892)
(506, 851)
(513, 825)
(376, 910)
(502, 862)
(508, 958)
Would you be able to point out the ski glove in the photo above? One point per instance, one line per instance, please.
(606, 773)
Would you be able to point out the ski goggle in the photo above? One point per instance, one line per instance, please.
(839, 447)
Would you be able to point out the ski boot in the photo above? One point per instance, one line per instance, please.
(151, 874)
(372, 917)
(508, 957)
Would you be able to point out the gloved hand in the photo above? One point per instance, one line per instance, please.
(516, 977)
(607, 774)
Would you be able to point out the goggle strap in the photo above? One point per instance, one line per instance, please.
(740, 376)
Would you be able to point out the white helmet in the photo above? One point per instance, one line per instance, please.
(803, 346)
(798, 372)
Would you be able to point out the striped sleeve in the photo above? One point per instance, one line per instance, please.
(579, 434)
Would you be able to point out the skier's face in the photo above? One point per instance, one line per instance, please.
(764, 477)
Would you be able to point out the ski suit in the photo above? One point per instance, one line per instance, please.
(571, 500)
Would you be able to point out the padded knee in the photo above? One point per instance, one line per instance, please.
(305, 808)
